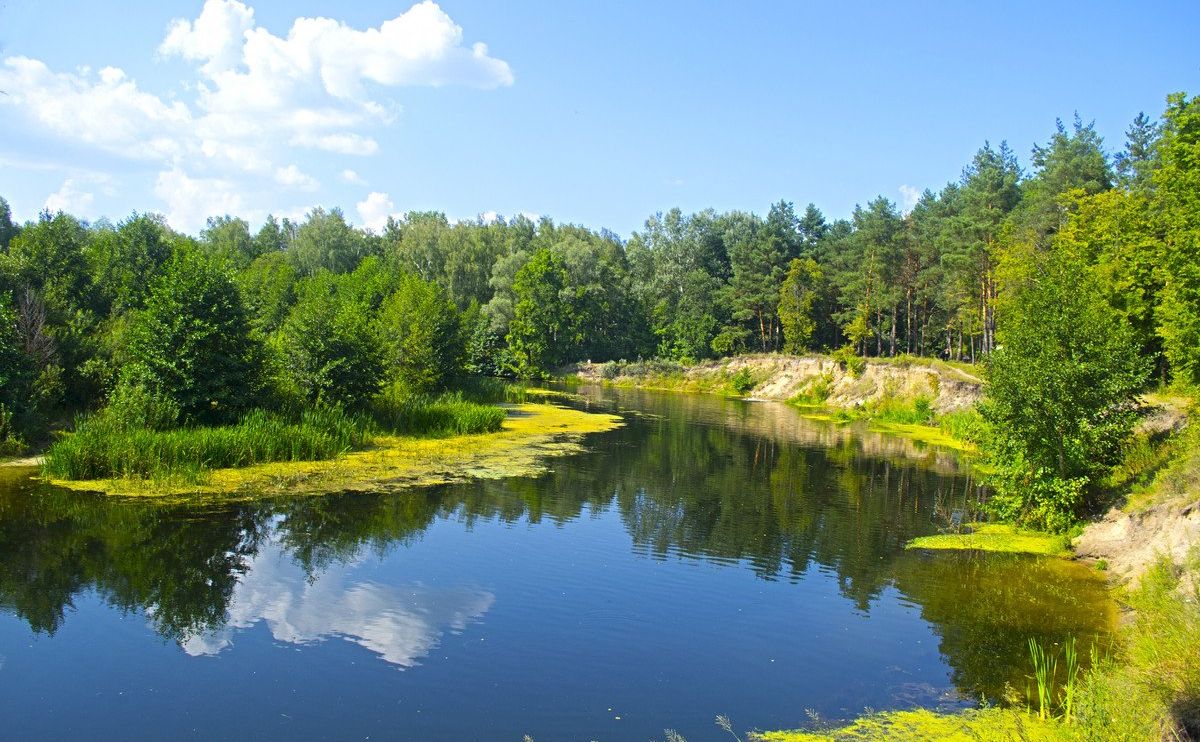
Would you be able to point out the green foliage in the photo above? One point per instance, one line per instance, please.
(103, 446)
(136, 403)
(543, 327)
(421, 333)
(437, 417)
(1177, 201)
(797, 296)
(742, 381)
(1155, 671)
(328, 347)
(1061, 389)
(326, 242)
(917, 412)
(268, 286)
(125, 260)
(849, 360)
(964, 425)
(193, 339)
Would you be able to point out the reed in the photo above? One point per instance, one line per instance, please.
(100, 448)
(1045, 666)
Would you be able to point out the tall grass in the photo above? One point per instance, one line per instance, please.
(100, 448)
(1151, 688)
(436, 416)
(105, 445)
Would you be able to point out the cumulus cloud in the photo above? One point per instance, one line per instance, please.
(215, 38)
(374, 210)
(292, 177)
(349, 176)
(190, 201)
(256, 97)
(70, 198)
(106, 110)
(909, 196)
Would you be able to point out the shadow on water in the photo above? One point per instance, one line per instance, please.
(734, 487)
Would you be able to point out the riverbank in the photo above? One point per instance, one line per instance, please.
(530, 434)
(815, 379)
(1148, 686)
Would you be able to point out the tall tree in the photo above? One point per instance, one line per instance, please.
(1137, 161)
(1177, 202)
(797, 296)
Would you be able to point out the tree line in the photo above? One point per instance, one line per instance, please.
(320, 311)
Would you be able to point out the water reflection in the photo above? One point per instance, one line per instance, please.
(400, 624)
(750, 486)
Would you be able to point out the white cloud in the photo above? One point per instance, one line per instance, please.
(374, 210)
(70, 199)
(342, 144)
(215, 38)
(292, 177)
(909, 196)
(257, 96)
(106, 110)
(190, 201)
(349, 176)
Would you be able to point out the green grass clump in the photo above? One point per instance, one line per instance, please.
(995, 537)
(436, 417)
(102, 448)
(890, 410)
(923, 725)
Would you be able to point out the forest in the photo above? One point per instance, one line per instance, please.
(1074, 282)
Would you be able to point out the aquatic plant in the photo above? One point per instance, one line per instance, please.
(1045, 666)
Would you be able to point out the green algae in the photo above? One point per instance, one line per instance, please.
(532, 432)
(997, 537)
(923, 725)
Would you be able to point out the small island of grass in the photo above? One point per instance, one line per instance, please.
(516, 445)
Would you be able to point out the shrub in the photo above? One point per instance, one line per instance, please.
(742, 381)
(850, 361)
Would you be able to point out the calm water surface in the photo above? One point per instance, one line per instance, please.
(713, 556)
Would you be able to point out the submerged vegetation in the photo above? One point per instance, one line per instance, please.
(995, 537)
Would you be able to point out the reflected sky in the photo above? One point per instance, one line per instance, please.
(399, 623)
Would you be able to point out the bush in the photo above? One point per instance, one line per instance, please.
(965, 425)
(850, 361)
(742, 381)
(920, 412)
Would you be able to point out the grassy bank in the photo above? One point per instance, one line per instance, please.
(104, 446)
(528, 435)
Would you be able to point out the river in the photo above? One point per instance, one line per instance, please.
(710, 557)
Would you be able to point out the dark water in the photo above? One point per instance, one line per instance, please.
(711, 557)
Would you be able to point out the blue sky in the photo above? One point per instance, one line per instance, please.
(593, 112)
